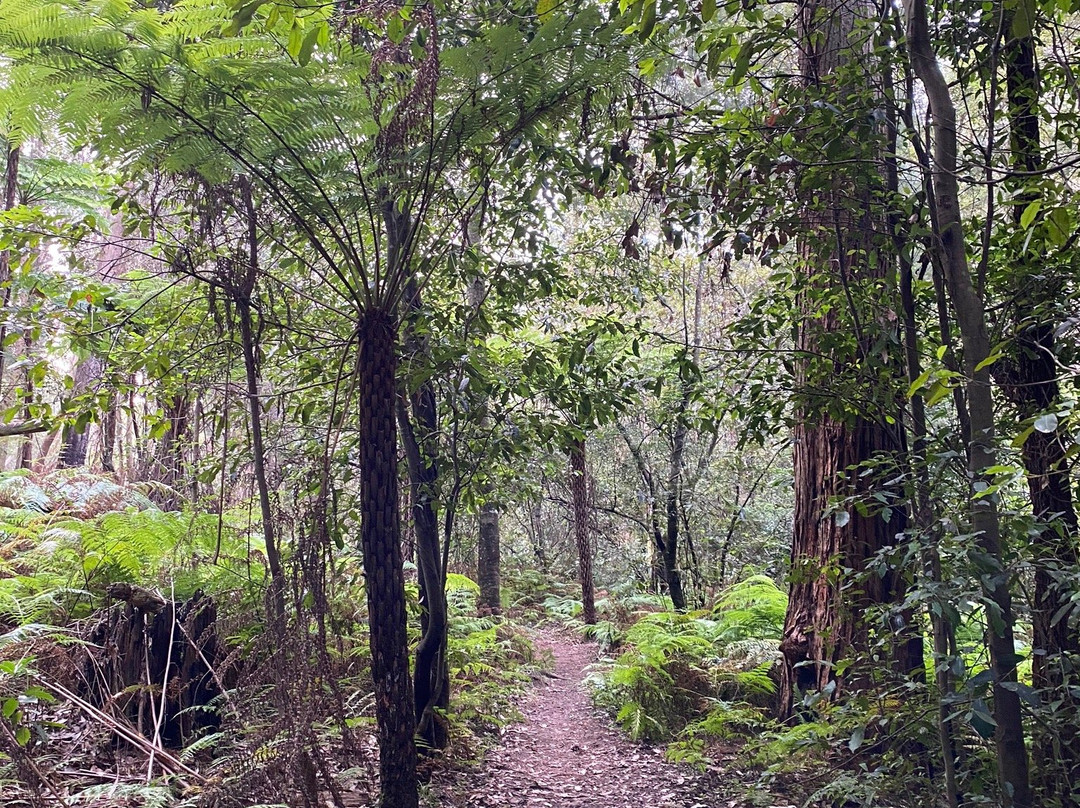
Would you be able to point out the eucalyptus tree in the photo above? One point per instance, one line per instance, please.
(783, 161)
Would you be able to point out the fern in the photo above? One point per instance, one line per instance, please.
(147, 796)
(753, 608)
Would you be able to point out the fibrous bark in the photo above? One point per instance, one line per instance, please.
(827, 610)
(579, 489)
(157, 646)
(381, 544)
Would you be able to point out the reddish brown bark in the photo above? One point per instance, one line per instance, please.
(833, 590)
(824, 623)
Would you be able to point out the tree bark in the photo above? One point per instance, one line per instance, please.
(825, 621)
(488, 552)
(242, 296)
(88, 374)
(579, 490)
(381, 544)
(11, 193)
(108, 435)
(1012, 760)
(1030, 380)
(431, 678)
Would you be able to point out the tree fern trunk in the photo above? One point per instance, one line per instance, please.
(381, 543)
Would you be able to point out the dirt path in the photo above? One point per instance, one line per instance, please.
(566, 755)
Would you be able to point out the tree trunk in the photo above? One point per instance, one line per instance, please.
(241, 293)
(88, 373)
(825, 618)
(11, 195)
(579, 490)
(108, 435)
(157, 646)
(26, 453)
(657, 569)
(1030, 380)
(1012, 761)
(258, 449)
(167, 461)
(488, 556)
(929, 535)
(381, 544)
(420, 437)
(670, 549)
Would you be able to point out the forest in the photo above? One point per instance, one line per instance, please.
(574, 403)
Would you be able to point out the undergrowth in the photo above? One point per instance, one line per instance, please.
(686, 678)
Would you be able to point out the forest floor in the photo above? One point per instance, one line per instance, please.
(565, 754)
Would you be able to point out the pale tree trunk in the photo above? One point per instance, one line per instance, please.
(26, 454)
(488, 552)
(11, 195)
(1012, 759)
(579, 491)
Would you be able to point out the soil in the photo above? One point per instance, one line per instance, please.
(567, 755)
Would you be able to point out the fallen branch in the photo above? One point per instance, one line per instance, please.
(168, 761)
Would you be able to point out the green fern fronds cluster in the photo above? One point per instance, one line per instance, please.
(677, 667)
(68, 492)
(753, 608)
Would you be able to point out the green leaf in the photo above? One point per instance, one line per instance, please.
(1059, 227)
(545, 8)
(857, 738)
(648, 21)
(982, 720)
(304, 56)
(1021, 439)
(242, 18)
(296, 40)
(918, 383)
(937, 392)
(1023, 19)
(395, 29)
(991, 359)
(708, 10)
(1029, 214)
